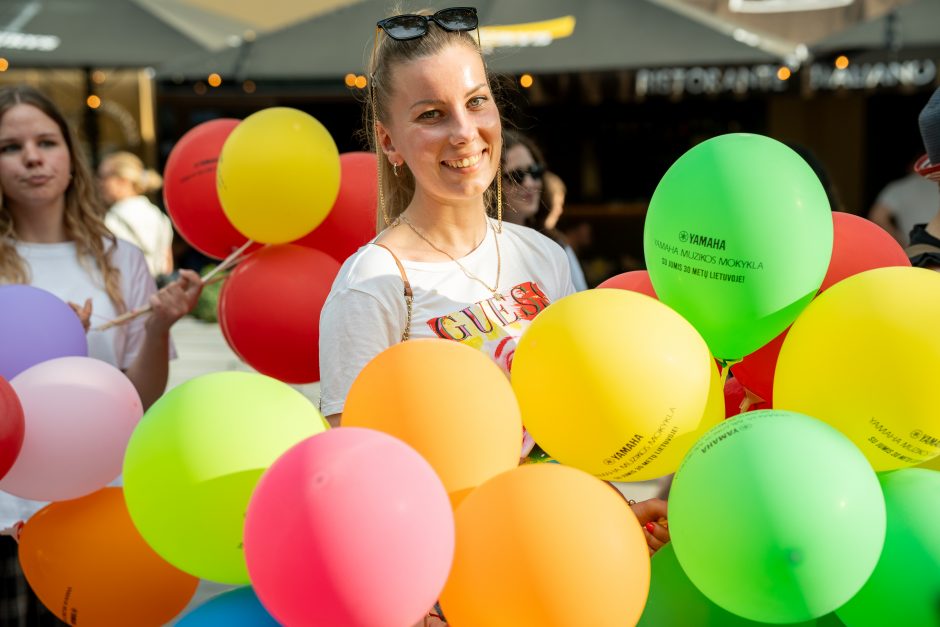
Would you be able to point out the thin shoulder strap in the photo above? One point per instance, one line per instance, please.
(409, 295)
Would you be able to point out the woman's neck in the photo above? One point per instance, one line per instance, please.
(455, 228)
(40, 225)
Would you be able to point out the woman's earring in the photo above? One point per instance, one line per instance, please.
(395, 170)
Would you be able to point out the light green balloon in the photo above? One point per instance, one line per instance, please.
(194, 459)
(675, 602)
(776, 516)
(904, 589)
(738, 239)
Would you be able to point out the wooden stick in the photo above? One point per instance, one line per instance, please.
(211, 277)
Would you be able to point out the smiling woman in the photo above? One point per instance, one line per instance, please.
(444, 264)
(443, 249)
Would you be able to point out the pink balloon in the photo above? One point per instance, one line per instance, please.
(349, 528)
(80, 413)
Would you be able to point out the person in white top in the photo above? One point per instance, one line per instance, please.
(903, 204)
(125, 182)
(52, 236)
(467, 276)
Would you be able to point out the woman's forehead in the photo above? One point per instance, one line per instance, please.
(456, 67)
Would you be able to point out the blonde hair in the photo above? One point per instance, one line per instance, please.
(128, 166)
(395, 192)
(84, 211)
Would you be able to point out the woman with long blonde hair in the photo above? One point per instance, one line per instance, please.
(53, 236)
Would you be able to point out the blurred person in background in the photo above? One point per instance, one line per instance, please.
(125, 183)
(924, 251)
(534, 196)
(904, 203)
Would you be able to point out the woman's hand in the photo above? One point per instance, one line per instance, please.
(83, 313)
(652, 517)
(174, 301)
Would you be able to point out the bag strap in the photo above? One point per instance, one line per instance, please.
(409, 295)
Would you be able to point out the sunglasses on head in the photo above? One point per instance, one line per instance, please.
(518, 175)
(405, 27)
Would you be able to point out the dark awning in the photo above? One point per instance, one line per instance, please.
(608, 35)
(82, 33)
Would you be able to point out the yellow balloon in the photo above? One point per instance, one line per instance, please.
(670, 458)
(544, 545)
(861, 357)
(931, 464)
(608, 381)
(278, 175)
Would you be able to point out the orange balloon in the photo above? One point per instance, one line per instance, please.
(550, 546)
(449, 402)
(87, 563)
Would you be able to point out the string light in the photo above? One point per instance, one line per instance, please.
(249, 87)
(93, 101)
(350, 80)
(784, 73)
(4, 65)
(361, 82)
(526, 80)
(842, 62)
(214, 79)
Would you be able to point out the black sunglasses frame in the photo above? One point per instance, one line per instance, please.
(439, 18)
(517, 176)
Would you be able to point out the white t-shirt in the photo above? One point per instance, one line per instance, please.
(577, 273)
(142, 224)
(365, 312)
(55, 268)
(912, 200)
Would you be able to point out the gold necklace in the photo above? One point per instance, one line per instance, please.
(470, 275)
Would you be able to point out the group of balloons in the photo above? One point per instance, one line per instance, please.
(275, 179)
(778, 515)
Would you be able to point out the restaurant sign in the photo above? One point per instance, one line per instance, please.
(694, 81)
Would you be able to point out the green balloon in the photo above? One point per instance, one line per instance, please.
(194, 459)
(738, 239)
(776, 516)
(675, 602)
(904, 589)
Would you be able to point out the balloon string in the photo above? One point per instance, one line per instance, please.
(208, 279)
(725, 369)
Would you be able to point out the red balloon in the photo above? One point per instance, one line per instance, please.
(351, 222)
(269, 308)
(635, 281)
(189, 190)
(857, 245)
(12, 426)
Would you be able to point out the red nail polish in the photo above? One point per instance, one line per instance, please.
(650, 527)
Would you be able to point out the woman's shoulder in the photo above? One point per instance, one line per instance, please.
(371, 268)
(124, 254)
(535, 242)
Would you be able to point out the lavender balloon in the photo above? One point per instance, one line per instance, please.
(35, 326)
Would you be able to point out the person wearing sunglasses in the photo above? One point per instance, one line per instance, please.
(444, 264)
(535, 197)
